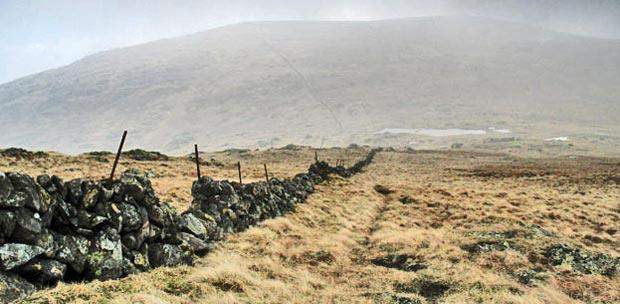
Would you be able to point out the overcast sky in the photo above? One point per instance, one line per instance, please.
(36, 35)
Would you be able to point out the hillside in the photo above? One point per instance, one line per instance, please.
(322, 84)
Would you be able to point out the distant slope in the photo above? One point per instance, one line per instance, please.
(319, 83)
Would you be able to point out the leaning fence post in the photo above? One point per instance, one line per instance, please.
(239, 168)
(118, 155)
(197, 161)
(266, 173)
(316, 157)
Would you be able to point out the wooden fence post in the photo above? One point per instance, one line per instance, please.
(197, 161)
(266, 173)
(118, 155)
(239, 168)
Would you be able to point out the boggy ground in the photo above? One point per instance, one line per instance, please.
(442, 227)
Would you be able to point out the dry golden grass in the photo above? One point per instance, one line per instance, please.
(327, 251)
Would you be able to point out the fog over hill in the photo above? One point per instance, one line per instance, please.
(320, 83)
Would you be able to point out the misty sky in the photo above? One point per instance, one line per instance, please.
(36, 35)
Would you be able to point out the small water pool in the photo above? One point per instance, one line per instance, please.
(432, 132)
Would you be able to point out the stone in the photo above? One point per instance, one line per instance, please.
(526, 277)
(105, 258)
(45, 181)
(204, 188)
(167, 255)
(7, 223)
(43, 270)
(155, 234)
(91, 193)
(388, 297)
(227, 224)
(105, 194)
(59, 185)
(73, 251)
(74, 195)
(47, 218)
(27, 224)
(90, 220)
(162, 215)
(65, 213)
(136, 261)
(189, 223)
(489, 246)
(212, 211)
(383, 190)
(198, 246)
(44, 240)
(6, 190)
(132, 219)
(402, 262)
(112, 212)
(26, 189)
(13, 255)
(134, 239)
(135, 185)
(13, 287)
(405, 200)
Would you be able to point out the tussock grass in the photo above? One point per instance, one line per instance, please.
(475, 237)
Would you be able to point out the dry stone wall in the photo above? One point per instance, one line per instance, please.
(52, 230)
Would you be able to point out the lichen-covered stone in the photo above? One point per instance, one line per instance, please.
(163, 215)
(132, 219)
(72, 250)
(136, 261)
(43, 270)
(105, 258)
(74, 194)
(25, 188)
(6, 192)
(189, 223)
(198, 246)
(91, 192)
(13, 287)
(134, 239)
(44, 240)
(27, 225)
(13, 255)
(66, 214)
(7, 224)
(168, 255)
(89, 220)
(582, 261)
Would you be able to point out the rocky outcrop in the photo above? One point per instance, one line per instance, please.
(51, 230)
(142, 155)
(20, 153)
(582, 261)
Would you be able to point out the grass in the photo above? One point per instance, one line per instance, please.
(477, 226)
